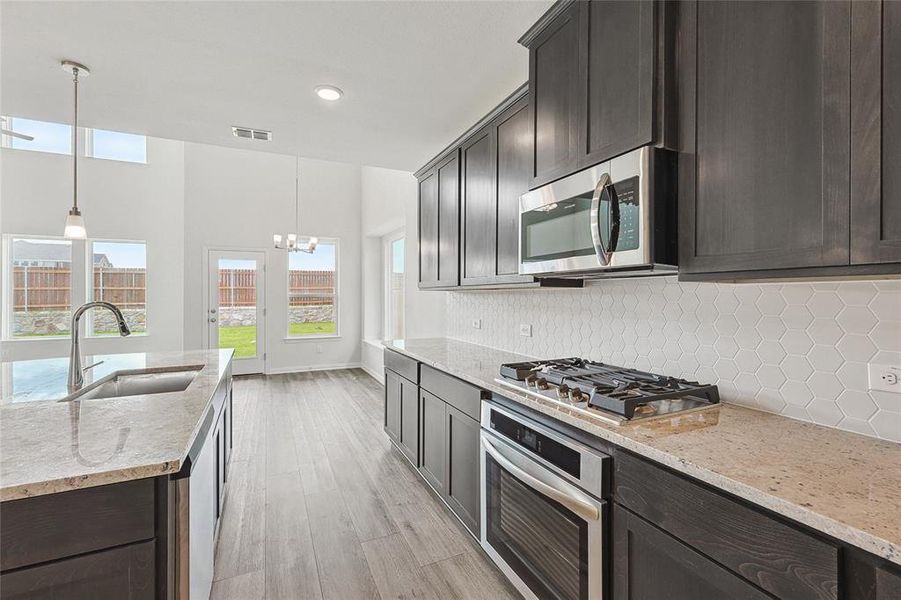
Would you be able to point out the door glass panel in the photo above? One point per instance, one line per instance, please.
(237, 313)
(545, 543)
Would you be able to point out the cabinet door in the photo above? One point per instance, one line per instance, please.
(433, 455)
(409, 420)
(428, 230)
(557, 92)
(219, 438)
(649, 564)
(514, 155)
(764, 180)
(620, 57)
(875, 132)
(479, 209)
(448, 174)
(229, 430)
(392, 405)
(126, 572)
(463, 474)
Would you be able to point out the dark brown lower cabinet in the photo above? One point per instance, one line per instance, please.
(409, 420)
(392, 405)
(463, 468)
(402, 414)
(649, 564)
(433, 458)
(126, 572)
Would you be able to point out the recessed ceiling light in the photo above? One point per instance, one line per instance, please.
(329, 92)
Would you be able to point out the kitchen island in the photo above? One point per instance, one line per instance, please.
(112, 496)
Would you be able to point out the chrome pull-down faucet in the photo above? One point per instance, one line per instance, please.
(76, 373)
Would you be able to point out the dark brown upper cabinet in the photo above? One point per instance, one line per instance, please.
(494, 158)
(764, 172)
(594, 83)
(478, 257)
(875, 132)
(439, 223)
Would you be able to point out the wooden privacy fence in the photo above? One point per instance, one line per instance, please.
(237, 287)
(49, 288)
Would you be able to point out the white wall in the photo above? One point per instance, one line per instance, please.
(389, 203)
(236, 199)
(119, 201)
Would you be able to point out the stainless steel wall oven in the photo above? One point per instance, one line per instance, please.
(543, 519)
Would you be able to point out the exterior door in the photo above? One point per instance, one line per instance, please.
(237, 307)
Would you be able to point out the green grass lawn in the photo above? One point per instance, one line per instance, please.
(243, 337)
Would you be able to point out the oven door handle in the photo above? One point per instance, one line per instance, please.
(583, 509)
(604, 250)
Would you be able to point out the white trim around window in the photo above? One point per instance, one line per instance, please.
(336, 297)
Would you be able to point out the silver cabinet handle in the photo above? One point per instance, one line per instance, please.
(583, 509)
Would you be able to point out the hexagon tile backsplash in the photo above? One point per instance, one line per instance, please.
(798, 349)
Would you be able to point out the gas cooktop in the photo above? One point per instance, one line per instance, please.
(614, 394)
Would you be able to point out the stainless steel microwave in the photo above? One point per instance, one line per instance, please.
(617, 218)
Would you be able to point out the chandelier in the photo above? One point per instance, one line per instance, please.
(291, 242)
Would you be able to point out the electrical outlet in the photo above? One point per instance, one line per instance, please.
(318, 348)
(886, 378)
(477, 323)
(525, 330)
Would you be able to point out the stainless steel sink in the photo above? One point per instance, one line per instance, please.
(138, 382)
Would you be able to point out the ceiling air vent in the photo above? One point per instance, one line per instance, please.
(252, 134)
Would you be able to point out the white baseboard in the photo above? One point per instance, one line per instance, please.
(380, 377)
(285, 370)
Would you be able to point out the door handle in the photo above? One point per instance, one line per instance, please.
(583, 509)
(604, 249)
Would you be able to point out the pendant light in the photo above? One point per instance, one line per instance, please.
(74, 222)
(289, 241)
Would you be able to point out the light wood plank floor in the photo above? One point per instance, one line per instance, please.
(321, 506)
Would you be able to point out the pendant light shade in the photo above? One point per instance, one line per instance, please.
(75, 226)
(74, 222)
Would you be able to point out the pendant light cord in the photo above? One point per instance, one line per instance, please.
(75, 143)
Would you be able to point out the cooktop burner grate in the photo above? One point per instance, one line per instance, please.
(615, 389)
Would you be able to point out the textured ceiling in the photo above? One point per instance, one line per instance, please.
(415, 74)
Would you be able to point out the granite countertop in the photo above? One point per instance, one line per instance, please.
(843, 484)
(47, 446)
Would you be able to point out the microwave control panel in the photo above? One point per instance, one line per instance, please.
(629, 213)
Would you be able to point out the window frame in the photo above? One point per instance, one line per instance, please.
(89, 284)
(76, 290)
(335, 298)
(81, 274)
(387, 270)
(6, 141)
(89, 146)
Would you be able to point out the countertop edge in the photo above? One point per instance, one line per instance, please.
(753, 495)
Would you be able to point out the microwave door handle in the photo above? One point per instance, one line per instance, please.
(583, 509)
(602, 250)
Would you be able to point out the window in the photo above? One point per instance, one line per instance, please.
(115, 145)
(394, 286)
(313, 291)
(48, 137)
(119, 275)
(41, 287)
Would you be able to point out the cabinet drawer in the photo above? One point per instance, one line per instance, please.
(462, 396)
(402, 365)
(774, 556)
(60, 525)
(126, 572)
